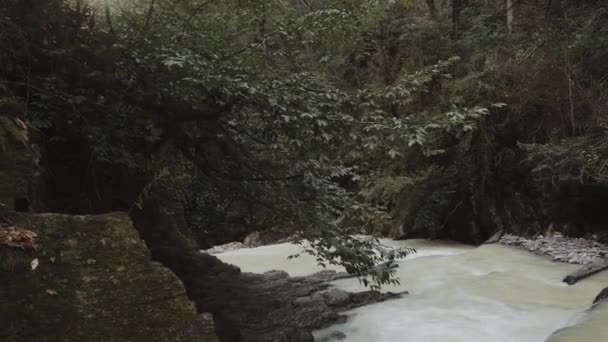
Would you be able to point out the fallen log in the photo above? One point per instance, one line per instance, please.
(586, 271)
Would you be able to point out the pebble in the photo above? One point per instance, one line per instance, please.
(561, 248)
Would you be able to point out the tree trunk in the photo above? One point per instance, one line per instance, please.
(555, 8)
(432, 8)
(510, 16)
(308, 5)
(456, 8)
(149, 16)
(109, 17)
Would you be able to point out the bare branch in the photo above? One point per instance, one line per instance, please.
(149, 15)
(308, 5)
(108, 17)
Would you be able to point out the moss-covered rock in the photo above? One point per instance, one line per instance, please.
(94, 282)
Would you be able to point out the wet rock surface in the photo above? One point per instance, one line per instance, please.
(276, 307)
(601, 297)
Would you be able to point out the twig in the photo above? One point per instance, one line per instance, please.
(149, 15)
(532, 52)
(308, 5)
(450, 214)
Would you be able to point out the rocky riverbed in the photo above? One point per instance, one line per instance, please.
(561, 248)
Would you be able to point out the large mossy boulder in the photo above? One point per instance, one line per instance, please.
(94, 281)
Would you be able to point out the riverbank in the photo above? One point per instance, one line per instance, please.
(559, 247)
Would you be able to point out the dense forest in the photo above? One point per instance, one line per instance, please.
(207, 120)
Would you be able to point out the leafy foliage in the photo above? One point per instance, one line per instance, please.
(579, 160)
(320, 119)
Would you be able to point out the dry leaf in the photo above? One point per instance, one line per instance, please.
(17, 237)
(34, 264)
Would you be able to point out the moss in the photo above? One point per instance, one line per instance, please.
(94, 282)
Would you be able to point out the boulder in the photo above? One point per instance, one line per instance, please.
(601, 297)
(263, 238)
(253, 240)
(93, 280)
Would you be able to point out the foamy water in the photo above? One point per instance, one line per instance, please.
(460, 293)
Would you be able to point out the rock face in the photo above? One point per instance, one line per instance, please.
(94, 281)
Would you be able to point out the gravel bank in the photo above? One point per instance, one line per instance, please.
(561, 248)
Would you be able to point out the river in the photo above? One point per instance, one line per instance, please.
(491, 293)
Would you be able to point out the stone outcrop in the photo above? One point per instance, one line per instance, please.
(93, 281)
(273, 306)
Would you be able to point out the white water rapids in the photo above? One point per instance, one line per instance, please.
(492, 293)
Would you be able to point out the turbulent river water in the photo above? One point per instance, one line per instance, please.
(491, 293)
